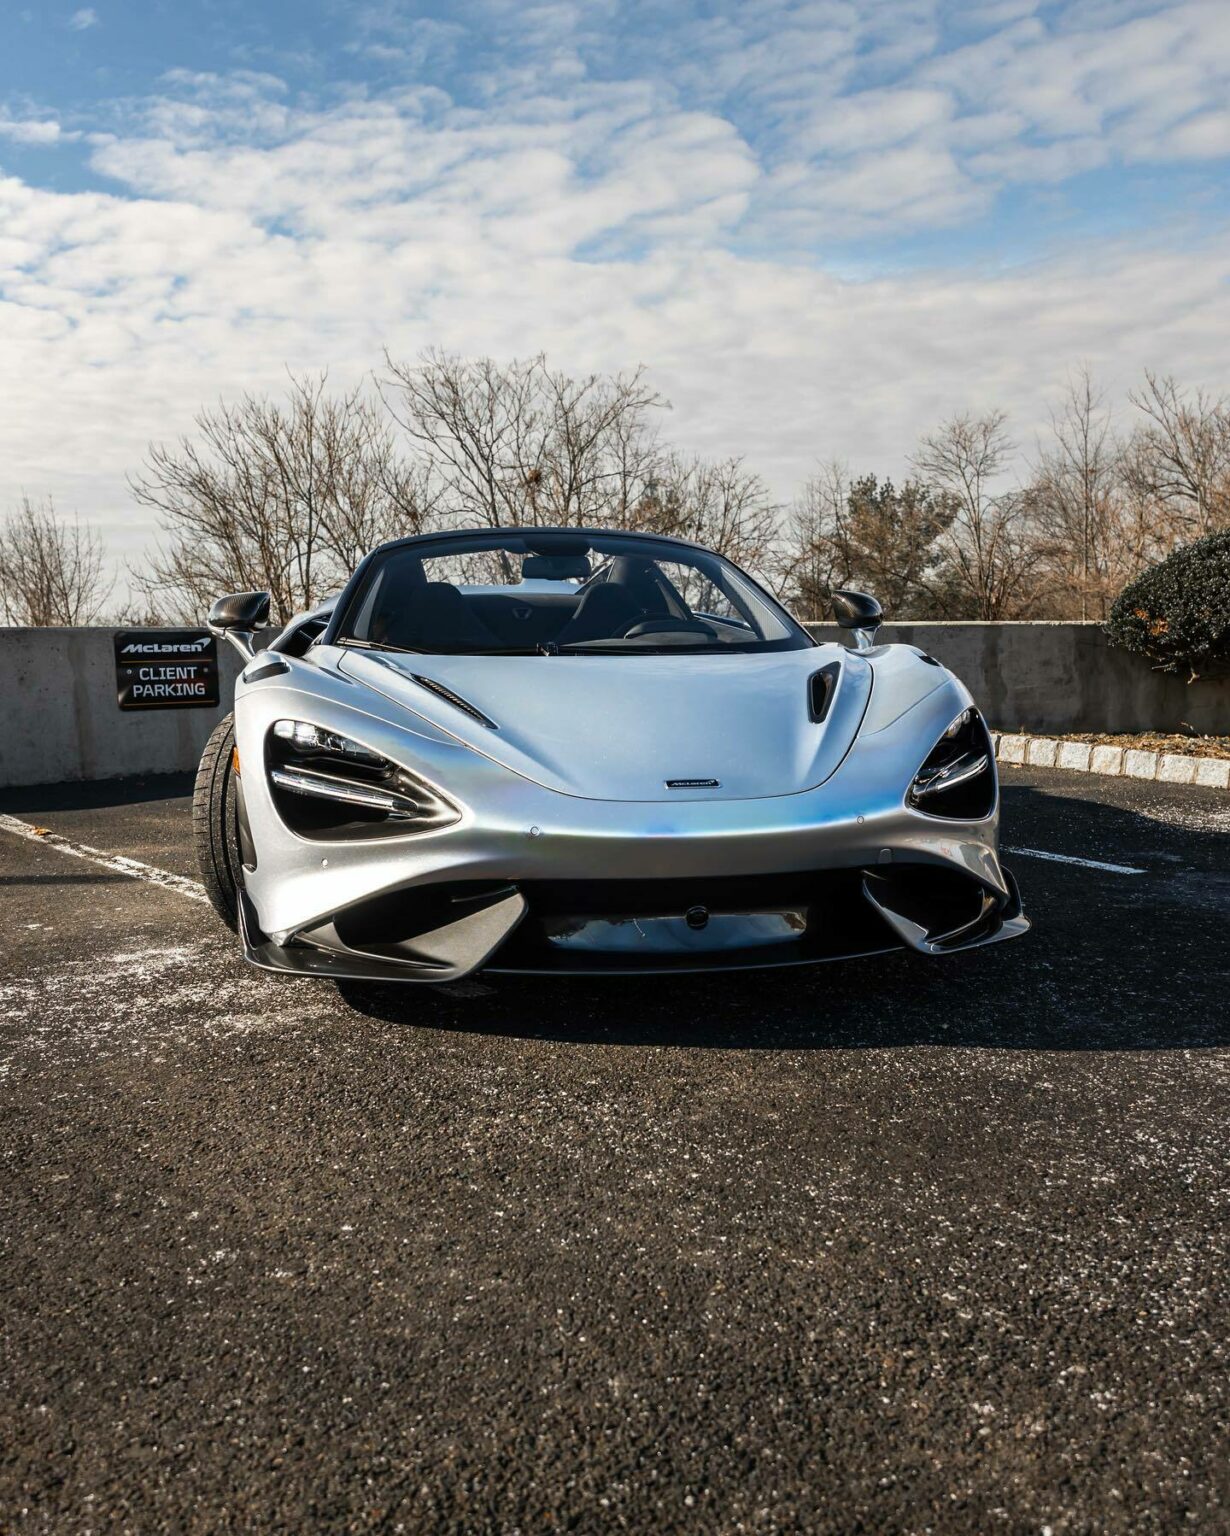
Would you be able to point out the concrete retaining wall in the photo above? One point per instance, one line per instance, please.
(59, 718)
(1052, 677)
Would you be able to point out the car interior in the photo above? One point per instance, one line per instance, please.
(552, 601)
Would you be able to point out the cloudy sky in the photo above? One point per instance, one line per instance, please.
(821, 225)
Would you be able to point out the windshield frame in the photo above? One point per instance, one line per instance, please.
(658, 547)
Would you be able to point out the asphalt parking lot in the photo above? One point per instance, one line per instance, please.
(890, 1246)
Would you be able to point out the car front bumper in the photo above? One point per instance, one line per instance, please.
(530, 879)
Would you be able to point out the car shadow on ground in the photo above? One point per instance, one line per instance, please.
(873, 1004)
(1116, 962)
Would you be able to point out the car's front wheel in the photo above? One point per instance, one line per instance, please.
(215, 823)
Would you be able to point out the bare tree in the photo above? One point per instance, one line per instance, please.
(289, 495)
(1180, 457)
(51, 572)
(520, 443)
(637, 468)
(1084, 519)
(814, 558)
(722, 505)
(987, 542)
(284, 497)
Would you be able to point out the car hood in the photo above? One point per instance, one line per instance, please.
(621, 727)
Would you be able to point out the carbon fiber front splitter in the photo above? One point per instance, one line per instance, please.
(498, 930)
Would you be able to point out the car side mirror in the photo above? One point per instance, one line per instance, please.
(860, 614)
(238, 617)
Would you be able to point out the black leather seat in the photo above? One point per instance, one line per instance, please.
(603, 613)
(433, 617)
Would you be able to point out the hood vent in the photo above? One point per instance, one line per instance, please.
(821, 687)
(455, 699)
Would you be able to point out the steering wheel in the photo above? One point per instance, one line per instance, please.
(668, 626)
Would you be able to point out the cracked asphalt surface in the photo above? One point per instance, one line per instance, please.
(890, 1246)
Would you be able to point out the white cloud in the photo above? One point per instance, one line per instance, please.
(30, 130)
(875, 118)
(122, 315)
(1206, 136)
(83, 19)
(1108, 72)
(670, 217)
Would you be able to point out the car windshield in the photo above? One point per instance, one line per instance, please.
(551, 593)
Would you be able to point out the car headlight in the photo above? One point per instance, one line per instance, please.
(958, 777)
(328, 786)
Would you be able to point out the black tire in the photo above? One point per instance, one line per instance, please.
(215, 823)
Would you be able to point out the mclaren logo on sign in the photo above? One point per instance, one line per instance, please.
(167, 647)
(166, 669)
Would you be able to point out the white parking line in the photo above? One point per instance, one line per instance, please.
(1067, 858)
(113, 861)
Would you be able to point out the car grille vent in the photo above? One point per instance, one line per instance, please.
(822, 686)
(455, 699)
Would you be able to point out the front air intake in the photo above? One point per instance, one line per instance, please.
(455, 699)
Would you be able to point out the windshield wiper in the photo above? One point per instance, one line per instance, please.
(588, 648)
(372, 645)
(512, 650)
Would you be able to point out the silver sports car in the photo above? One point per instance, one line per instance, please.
(564, 750)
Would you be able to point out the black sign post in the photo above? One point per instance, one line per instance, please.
(166, 669)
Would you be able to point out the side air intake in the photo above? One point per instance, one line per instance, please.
(455, 699)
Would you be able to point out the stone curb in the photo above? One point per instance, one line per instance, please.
(1080, 757)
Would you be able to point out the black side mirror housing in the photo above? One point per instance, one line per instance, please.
(241, 610)
(238, 617)
(860, 613)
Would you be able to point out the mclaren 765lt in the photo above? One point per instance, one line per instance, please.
(573, 751)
